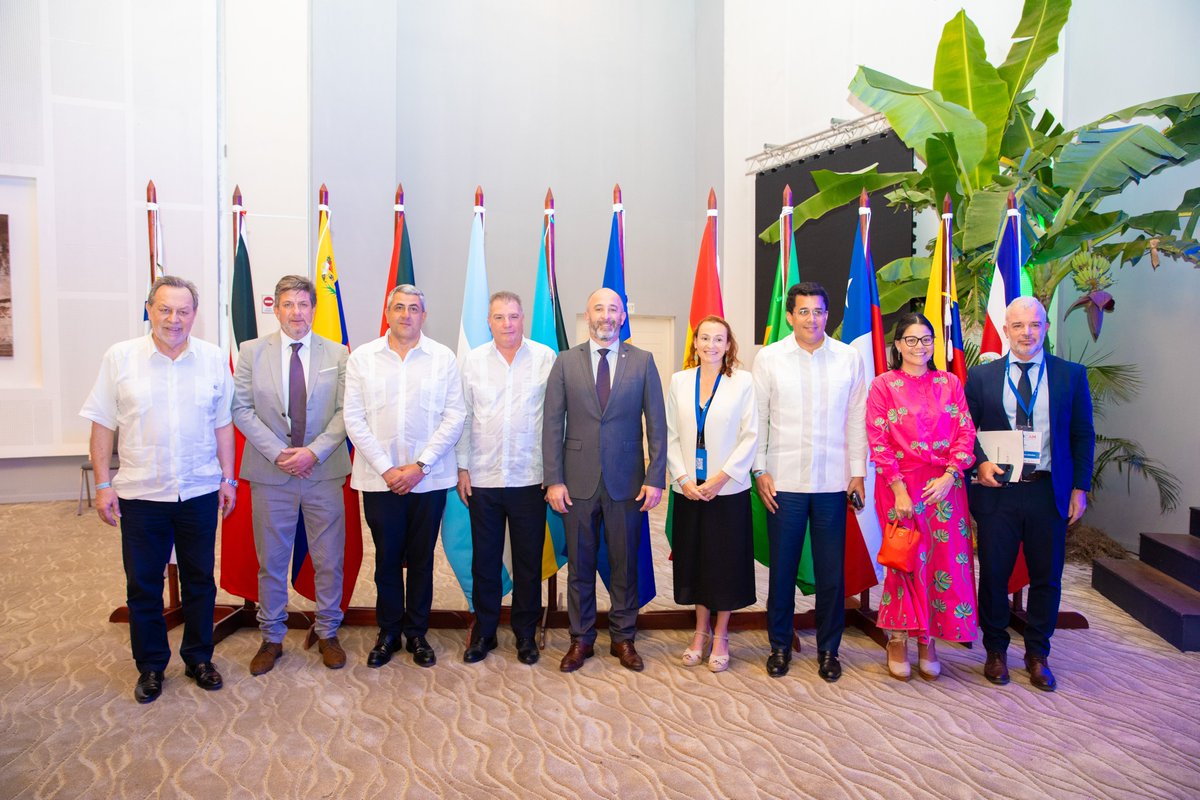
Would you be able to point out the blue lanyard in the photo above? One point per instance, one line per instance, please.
(1036, 388)
(702, 413)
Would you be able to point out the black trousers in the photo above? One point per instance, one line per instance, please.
(405, 530)
(1025, 513)
(149, 529)
(523, 508)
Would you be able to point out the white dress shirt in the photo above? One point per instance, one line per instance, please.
(611, 356)
(501, 442)
(812, 408)
(1041, 403)
(286, 343)
(166, 414)
(400, 411)
(730, 429)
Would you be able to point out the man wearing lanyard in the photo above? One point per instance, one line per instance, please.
(1047, 399)
(169, 396)
(500, 474)
(812, 403)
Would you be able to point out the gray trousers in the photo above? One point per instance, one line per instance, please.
(276, 511)
(622, 531)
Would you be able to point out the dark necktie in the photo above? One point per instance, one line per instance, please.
(1025, 390)
(603, 382)
(297, 397)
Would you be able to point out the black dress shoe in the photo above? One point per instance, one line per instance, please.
(828, 666)
(422, 652)
(205, 675)
(149, 686)
(527, 650)
(478, 649)
(1039, 673)
(385, 645)
(778, 661)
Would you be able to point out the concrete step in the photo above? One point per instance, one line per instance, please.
(1158, 601)
(1176, 554)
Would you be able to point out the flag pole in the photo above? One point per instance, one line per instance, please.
(947, 276)
(619, 208)
(152, 227)
(548, 243)
(786, 233)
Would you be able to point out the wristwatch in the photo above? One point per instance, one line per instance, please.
(425, 468)
(231, 481)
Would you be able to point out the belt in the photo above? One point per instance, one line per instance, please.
(1036, 475)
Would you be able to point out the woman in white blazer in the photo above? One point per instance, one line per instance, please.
(712, 432)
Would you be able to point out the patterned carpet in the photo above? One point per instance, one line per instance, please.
(1123, 723)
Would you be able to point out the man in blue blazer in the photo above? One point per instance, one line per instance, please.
(1048, 399)
(595, 470)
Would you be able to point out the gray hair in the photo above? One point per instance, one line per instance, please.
(1026, 301)
(295, 283)
(176, 282)
(505, 296)
(407, 288)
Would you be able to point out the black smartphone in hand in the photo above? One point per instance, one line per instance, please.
(856, 500)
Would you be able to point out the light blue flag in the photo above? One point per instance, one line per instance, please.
(472, 332)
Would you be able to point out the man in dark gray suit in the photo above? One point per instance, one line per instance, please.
(287, 401)
(596, 473)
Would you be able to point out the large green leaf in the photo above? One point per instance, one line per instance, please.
(1087, 227)
(1111, 158)
(1162, 223)
(895, 296)
(1190, 206)
(984, 215)
(1020, 136)
(941, 169)
(1169, 107)
(834, 190)
(1034, 41)
(905, 269)
(916, 114)
(963, 75)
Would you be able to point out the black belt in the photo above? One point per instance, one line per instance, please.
(1036, 475)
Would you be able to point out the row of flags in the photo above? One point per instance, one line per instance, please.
(862, 328)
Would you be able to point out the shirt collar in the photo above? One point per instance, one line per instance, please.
(522, 346)
(597, 347)
(1038, 359)
(305, 340)
(151, 349)
(794, 346)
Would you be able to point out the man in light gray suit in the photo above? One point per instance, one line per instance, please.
(595, 471)
(287, 402)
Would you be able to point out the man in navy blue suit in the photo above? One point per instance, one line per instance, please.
(1047, 398)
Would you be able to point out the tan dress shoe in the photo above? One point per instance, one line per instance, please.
(995, 669)
(332, 653)
(627, 655)
(264, 660)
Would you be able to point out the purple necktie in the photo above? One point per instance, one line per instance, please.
(603, 382)
(297, 397)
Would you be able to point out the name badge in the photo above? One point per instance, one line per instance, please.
(701, 465)
(1031, 443)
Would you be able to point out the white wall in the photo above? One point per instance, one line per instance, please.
(516, 97)
(95, 100)
(1155, 324)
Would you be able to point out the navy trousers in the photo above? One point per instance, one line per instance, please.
(404, 528)
(523, 508)
(824, 514)
(1025, 513)
(148, 531)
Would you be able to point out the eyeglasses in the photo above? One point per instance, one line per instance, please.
(805, 313)
(913, 341)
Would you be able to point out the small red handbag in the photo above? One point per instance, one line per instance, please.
(899, 548)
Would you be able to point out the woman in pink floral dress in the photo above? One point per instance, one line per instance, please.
(922, 441)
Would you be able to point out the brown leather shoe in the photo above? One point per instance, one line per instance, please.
(1039, 673)
(995, 669)
(627, 655)
(264, 660)
(331, 652)
(577, 653)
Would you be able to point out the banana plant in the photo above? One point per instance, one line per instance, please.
(977, 137)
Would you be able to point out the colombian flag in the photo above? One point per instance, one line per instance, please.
(941, 302)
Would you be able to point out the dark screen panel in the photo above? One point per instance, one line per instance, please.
(823, 246)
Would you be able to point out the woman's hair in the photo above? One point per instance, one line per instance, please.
(730, 359)
(905, 322)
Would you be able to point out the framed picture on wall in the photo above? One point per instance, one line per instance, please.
(6, 318)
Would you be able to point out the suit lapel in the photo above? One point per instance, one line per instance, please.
(585, 360)
(622, 359)
(1001, 378)
(274, 353)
